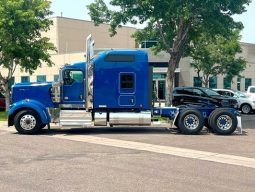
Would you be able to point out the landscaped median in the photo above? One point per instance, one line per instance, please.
(3, 116)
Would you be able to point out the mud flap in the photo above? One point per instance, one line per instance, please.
(176, 116)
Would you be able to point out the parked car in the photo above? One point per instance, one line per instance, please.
(251, 92)
(245, 104)
(2, 102)
(194, 95)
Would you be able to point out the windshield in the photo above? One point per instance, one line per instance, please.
(240, 94)
(210, 92)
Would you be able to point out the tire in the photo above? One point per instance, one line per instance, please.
(211, 116)
(223, 122)
(246, 108)
(27, 122)
(190, 121)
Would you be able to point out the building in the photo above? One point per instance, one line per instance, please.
(69, 35)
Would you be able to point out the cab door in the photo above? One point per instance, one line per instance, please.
(73, 87)
(127, 89)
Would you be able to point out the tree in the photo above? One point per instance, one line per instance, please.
(21, 43)
(173, 23)
(216, 55)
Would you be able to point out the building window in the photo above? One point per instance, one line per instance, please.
(159, 90)
(226, 83)
(56, 78)
(247, 83)
(25, 79)
(162, 89)
(197, 82)
(159, 76)
(148, 44)
(213, 82)
(41, 78)
(127, 81)
(11, 82)
(238, 84)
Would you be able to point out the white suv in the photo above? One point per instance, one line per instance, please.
(245, 104)
(251, 92)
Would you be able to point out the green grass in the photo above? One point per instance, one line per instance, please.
(3, 116)
(161, 119)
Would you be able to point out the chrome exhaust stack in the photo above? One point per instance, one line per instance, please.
(89, 73)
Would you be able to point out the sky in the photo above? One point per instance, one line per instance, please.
(77, 9)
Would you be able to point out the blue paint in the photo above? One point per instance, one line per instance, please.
(33, 91)
(74, 93)
(107, 81)
(169, 112)
(34, 105)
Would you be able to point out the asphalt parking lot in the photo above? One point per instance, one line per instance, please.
(127, 159)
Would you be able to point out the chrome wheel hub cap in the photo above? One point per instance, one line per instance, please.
(191, 121)
(28, 122)
(224, 122)
(246, 109)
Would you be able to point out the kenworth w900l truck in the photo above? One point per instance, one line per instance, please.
(112, 88)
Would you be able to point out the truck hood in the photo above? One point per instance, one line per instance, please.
(36, 91)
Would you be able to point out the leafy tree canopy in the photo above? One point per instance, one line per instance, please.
(217, 55)
(173, 23)
(21, 42)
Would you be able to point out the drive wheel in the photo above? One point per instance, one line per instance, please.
(223, 122)
(27, 122)
(190, 121)
(246, 109)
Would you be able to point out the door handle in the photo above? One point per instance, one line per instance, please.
(132, 101)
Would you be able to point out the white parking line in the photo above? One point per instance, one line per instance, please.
(179, 152)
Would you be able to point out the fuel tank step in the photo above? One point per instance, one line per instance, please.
(75, 118)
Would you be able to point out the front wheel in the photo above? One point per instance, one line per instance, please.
(27, 122)
(190, 121)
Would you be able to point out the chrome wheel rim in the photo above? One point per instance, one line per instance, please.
(224, 122)
(245, 109)
(191, 121)
(28, 122)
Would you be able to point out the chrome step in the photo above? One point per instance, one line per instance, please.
(76, 118)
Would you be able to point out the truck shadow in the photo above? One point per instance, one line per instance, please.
(116, 130)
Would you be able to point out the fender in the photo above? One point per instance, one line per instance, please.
(29, 104)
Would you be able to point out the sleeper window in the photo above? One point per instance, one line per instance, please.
(127, 81)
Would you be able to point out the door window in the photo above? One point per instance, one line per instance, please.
(197, 92)
(72, 76)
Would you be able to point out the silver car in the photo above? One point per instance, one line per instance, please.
(245, 104)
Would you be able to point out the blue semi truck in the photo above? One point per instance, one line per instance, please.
(112, 88)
